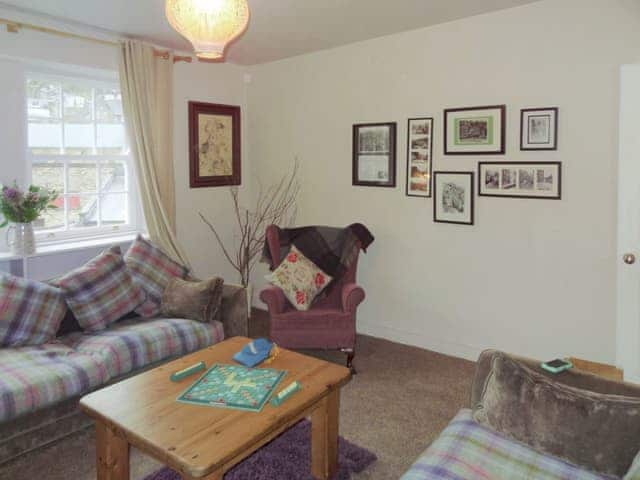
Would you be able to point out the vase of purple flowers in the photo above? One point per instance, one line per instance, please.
(20, 208)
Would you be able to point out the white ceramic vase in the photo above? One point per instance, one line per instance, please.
(21, 239)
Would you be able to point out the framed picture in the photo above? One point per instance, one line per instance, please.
(475, 130)
(539, 128)
(453, 197)
(214, 145)
(520, 180)
(374, 155)
(419, 156)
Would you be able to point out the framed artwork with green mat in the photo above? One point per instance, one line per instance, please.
(475, 130)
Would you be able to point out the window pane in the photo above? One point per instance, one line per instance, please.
(43, 99)
(111, 136)
(113, 209)
(83, 211)
(109, 105)
(78, 135)
(83, 177)
(113, 177)
(53, 218)
(78, 102)
(49, 175)
(45, 135)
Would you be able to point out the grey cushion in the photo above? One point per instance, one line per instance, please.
(199, 300)
(597, 431)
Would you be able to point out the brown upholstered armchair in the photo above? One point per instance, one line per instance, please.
(329, 324)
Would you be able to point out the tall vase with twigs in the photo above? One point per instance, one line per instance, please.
(274, 205)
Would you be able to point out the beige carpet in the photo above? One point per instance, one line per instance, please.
(400, 400)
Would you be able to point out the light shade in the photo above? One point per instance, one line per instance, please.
(208, 24)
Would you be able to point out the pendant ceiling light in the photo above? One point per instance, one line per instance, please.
(210, 25)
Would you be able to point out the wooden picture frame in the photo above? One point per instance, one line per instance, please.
(533, 180)
(453, 197)
(419, 157)
(539, 128)
(475, 130)
(374, 155)
(214, 145)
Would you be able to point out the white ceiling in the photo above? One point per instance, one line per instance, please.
(278, 28)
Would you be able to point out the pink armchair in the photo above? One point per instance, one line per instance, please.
(329, 324)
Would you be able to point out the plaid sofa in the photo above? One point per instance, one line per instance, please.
(466, 450)
(40, 386)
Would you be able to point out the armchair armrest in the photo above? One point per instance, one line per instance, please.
(274, 298)
(352, 296)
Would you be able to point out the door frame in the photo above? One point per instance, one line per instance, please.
(628, 276)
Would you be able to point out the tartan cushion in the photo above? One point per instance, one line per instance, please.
(102, 291)
(466, 450)
(30, 312)
(152, 269)
(35, 377)
(299, 278)
(133, 344)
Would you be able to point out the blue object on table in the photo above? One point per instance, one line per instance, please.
(254, 352)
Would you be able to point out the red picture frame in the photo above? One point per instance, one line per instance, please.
(214, 145)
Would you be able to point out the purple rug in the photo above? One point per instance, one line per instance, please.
(288, 456)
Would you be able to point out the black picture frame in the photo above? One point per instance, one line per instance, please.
(384, 146)
(200, 111)
(552, 113)
(412, 153)
(514, 180)
(469, 183)
(499, 112)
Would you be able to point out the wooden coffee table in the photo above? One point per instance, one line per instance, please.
(205, 442)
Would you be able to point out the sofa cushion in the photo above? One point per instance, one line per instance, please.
(466, 450)
(597, 431)
(299, 278)
(35, 377)
(152, 269)
(200, 301)
(30, 311)
(133, 344)
(102, 291)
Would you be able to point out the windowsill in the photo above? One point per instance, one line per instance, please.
(70, 246)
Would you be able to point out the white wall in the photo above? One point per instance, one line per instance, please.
(535, 277)
(213, 83)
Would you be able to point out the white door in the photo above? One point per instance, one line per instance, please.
(628, 321)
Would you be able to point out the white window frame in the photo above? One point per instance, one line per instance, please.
(135, 222)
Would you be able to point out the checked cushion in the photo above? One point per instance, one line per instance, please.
(299, 279)
(30, 311)
(152, 269)
(102, 291)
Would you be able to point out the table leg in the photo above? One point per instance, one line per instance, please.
(324, 437)
(112, 454)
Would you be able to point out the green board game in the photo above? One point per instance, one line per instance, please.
(234, 386)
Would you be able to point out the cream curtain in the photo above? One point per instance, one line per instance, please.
(147, 96)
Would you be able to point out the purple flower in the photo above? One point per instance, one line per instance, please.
(11, 193)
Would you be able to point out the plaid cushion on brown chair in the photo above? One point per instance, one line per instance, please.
(152, 269)
(30, 311)
(102, 291)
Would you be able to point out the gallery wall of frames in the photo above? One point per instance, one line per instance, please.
(472, 131)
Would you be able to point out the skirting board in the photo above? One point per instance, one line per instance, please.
(468, 352)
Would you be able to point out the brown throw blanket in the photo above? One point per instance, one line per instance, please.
(331, 249)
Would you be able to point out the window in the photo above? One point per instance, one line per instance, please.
(77, 145)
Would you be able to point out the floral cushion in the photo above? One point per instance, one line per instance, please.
(30, 311)
(299, 278)
(101, 291)
(152, 269)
